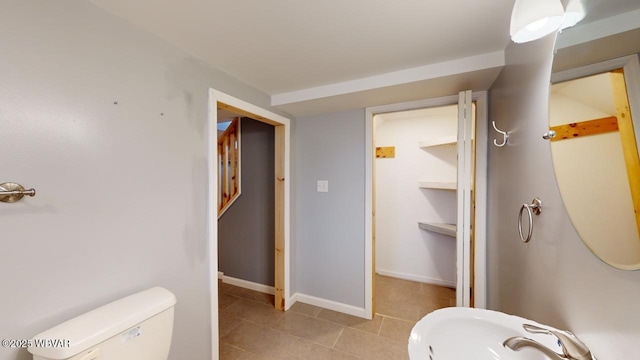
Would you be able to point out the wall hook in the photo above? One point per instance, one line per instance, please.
(505, 136)
(549, 135)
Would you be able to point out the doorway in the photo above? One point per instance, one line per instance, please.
(469, 173)
(417, 182)
(282, 130)
(246, 223)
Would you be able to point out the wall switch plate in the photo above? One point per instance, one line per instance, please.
(323, 186)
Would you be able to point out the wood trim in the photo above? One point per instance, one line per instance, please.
(219, 173)
(627, 136)
(585, 128)
(385, 152)
(249, 114)
(228, 166)
(233, 161)
(279, 216)
(226, 186)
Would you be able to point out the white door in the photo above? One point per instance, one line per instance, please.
(465, 187)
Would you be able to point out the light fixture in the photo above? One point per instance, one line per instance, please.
(574, 14)
(533, 19)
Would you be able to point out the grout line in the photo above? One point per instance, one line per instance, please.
(338, 338)
(398, 318)
(318, 313)
(381, 325)
(231, 329)
(234, 346)
(312, 315)
(271, 324)
(305, 315)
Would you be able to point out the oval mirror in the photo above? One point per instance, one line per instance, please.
(595, 114)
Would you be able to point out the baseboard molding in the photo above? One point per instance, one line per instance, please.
(329, 304)
(422, 279)
(247, 284)
(306, 299)
(290, 301)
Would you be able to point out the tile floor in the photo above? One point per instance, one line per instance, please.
(251, 329)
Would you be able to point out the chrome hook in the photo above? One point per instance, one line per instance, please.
(12, 192)
(505, 136)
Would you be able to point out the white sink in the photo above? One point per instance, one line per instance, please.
(466, 333)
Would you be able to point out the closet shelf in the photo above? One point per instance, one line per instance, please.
(442, 141)
(445, 229)
(442, 185)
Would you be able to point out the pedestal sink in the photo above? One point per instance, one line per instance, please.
(466, 333)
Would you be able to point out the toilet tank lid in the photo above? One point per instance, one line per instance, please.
(96, 326)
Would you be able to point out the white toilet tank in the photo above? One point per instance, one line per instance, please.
(137, 327)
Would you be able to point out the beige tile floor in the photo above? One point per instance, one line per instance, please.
(251, 329)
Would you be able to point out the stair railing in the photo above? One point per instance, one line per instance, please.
(228, 166)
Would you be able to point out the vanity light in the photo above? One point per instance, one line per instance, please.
(533, 19)
(574, 14)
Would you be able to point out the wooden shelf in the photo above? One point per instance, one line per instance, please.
(442, 141)
(444, 229)
(442, 185)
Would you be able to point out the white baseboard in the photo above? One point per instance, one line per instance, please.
(306, 299)
(292, 300)
(422, 279)
(247, 284)
(329, 304)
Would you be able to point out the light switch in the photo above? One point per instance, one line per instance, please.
(323, 186)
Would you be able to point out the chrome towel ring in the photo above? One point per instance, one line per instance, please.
(534, 208)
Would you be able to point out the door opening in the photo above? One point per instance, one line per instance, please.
(219, 100)
(246, 222)
(441, 184)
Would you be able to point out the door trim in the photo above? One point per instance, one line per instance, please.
(464, 195)
(282, 201)
(480, 98)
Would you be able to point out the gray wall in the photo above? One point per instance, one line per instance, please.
(246, 231)
(329, 255)
(553, 279)
(122, 189)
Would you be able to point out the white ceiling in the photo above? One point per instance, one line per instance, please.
(331, 55)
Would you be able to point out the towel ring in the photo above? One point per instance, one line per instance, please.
(534, 208)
